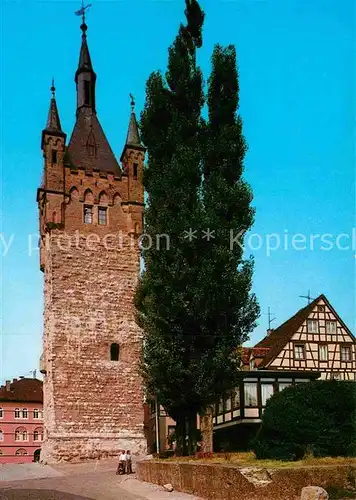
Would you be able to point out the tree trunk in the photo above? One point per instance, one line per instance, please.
(181, 433)
(206, 428)
(192, 432)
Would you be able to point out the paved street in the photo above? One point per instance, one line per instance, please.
(89, 481)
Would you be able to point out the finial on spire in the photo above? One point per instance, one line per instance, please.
(53, 89)
(81, 12)
(132, 102)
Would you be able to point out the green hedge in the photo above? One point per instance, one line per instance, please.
(317, 418)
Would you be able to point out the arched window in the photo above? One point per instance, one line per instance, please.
(21, 434)
(114, 352)
(17, 413)
(36, 413)
(38, 434)
(1, 435)
(25, 413)
(21, 452)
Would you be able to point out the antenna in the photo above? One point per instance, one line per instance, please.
(270, 319)
(308, 297)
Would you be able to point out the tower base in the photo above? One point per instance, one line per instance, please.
(75, 449)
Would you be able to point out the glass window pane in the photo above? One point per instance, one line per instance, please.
(250, 394)
(236, 398)
(284, 385)
(323, 352)
(267, 391)
(102, 216)
(228, 404)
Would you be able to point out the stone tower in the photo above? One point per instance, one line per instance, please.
(90, 211)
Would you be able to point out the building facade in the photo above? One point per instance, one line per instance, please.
(314, 339)
(21, 420)
(90, 213)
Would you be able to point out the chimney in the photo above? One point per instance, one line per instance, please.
(8, 382)
(269, 331)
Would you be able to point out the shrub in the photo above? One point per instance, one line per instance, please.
(316, 418)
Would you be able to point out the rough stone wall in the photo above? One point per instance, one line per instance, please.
(93, 407)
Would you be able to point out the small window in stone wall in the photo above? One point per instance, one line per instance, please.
(88, 214)
(54, 156)
(135, 169)
(102, 216)
(114, 352)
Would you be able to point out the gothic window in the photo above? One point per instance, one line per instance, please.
(86, 92)
(102, 216)
(54, 156)
(88, 214)
(114, 352)
(135, 168)
(91, 145)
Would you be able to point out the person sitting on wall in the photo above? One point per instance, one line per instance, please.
(122, 463)
(128, 462)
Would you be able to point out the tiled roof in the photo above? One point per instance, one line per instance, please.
(24, 389)
(88, 146)
(246, 352)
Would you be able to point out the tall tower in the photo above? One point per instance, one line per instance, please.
(90, 211)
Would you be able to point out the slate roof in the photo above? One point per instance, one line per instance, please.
(24, 389)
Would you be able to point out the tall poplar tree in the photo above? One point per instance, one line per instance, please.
(194, 301)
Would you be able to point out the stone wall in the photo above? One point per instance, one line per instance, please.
(217, 482)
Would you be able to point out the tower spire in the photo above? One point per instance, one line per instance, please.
(53, 122)
(133, 135)
(85, 76)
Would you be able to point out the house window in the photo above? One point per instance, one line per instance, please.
(25, 413)
(236, 398)
(21, 435)
(88, 214)
(1, 413)
(1, 453)
(114, 352)
(17, 413)
(313, 326)
(21, 452)
(228, 404)
(38, 435)
(284, 385)
(102, 216)
(250, 394)
(331, 327)
(323, 352)
(1, 436)
(54, 156)
(221, 406)
(135, 169)
(267, 391)
(345, 352)
(299, 351)
(36, 413)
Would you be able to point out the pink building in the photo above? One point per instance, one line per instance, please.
(21, 420)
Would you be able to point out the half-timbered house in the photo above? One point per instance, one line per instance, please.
(314, 339)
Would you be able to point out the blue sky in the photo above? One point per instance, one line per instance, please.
(297, 78)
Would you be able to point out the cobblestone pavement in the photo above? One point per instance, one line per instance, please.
(89, 481)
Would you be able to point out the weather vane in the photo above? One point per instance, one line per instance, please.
(82, 11)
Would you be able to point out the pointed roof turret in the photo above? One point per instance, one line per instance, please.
(84, 64)
(53, 121)
(53, 125)
(133, 139)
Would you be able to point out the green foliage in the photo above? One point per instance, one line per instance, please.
(317, 418)
(194, 300)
